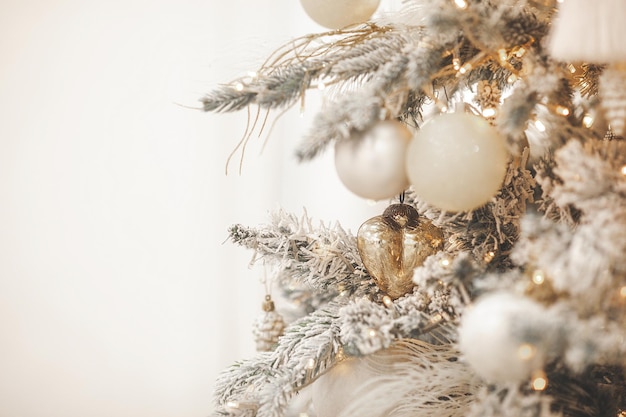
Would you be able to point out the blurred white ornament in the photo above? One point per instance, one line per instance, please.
(503, 338)
(612, 91)
(457, 162)
(409, 379)
(601, 41)
(372, 165)
(337, 14)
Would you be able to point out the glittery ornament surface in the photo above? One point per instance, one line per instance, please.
(393, 244)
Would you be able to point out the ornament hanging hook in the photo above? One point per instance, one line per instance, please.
(401, 197)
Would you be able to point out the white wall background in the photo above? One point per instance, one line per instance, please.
(117, 296)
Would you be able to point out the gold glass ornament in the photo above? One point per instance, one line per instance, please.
(395, 243)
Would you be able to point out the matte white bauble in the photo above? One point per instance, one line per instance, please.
(372, 165)
(457, 162)
(337, 14)
(503, 338)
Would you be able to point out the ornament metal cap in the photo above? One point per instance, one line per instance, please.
(268, 304)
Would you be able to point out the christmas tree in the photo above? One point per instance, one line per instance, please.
(494, 284)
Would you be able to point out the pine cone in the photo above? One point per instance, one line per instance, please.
(488, 95)
(267, 329)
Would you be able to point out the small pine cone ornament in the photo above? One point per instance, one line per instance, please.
(612, 90)
(268, 327)
(488, 96)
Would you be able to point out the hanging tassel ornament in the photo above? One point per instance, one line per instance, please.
(601, 42)
(268, 327)
(589, 31)
(612, 90)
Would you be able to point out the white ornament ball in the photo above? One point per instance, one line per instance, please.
(503, 337)
(337, 14)
(457, 162)
(372, 165)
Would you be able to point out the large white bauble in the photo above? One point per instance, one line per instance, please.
(337, 14)
(372, 165)
(503, 337)
(457, 162)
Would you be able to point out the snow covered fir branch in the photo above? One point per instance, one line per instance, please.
(497, 286)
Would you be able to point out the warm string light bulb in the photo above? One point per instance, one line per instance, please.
(539, 277)
(562, 110)
(622, 292)
(526, 351)
(489, 112)
(232, 405)
(340, 354)
(539, 381)
(504, 56)
(464, 69)
(461, 4)
(540, 126)
(587, 120)
(387, 301)
(623, 170)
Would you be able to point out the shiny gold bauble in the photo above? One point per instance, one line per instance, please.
(395, 243)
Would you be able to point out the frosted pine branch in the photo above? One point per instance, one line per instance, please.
(263, 385)
(324, 258)
(354, 55)
(353, 114)
(367, 327)
(510, 402)
(590, 175)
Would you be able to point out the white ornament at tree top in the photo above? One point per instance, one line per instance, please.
(457, 162)
(337, 14)
(372, 165)
(503, 338)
